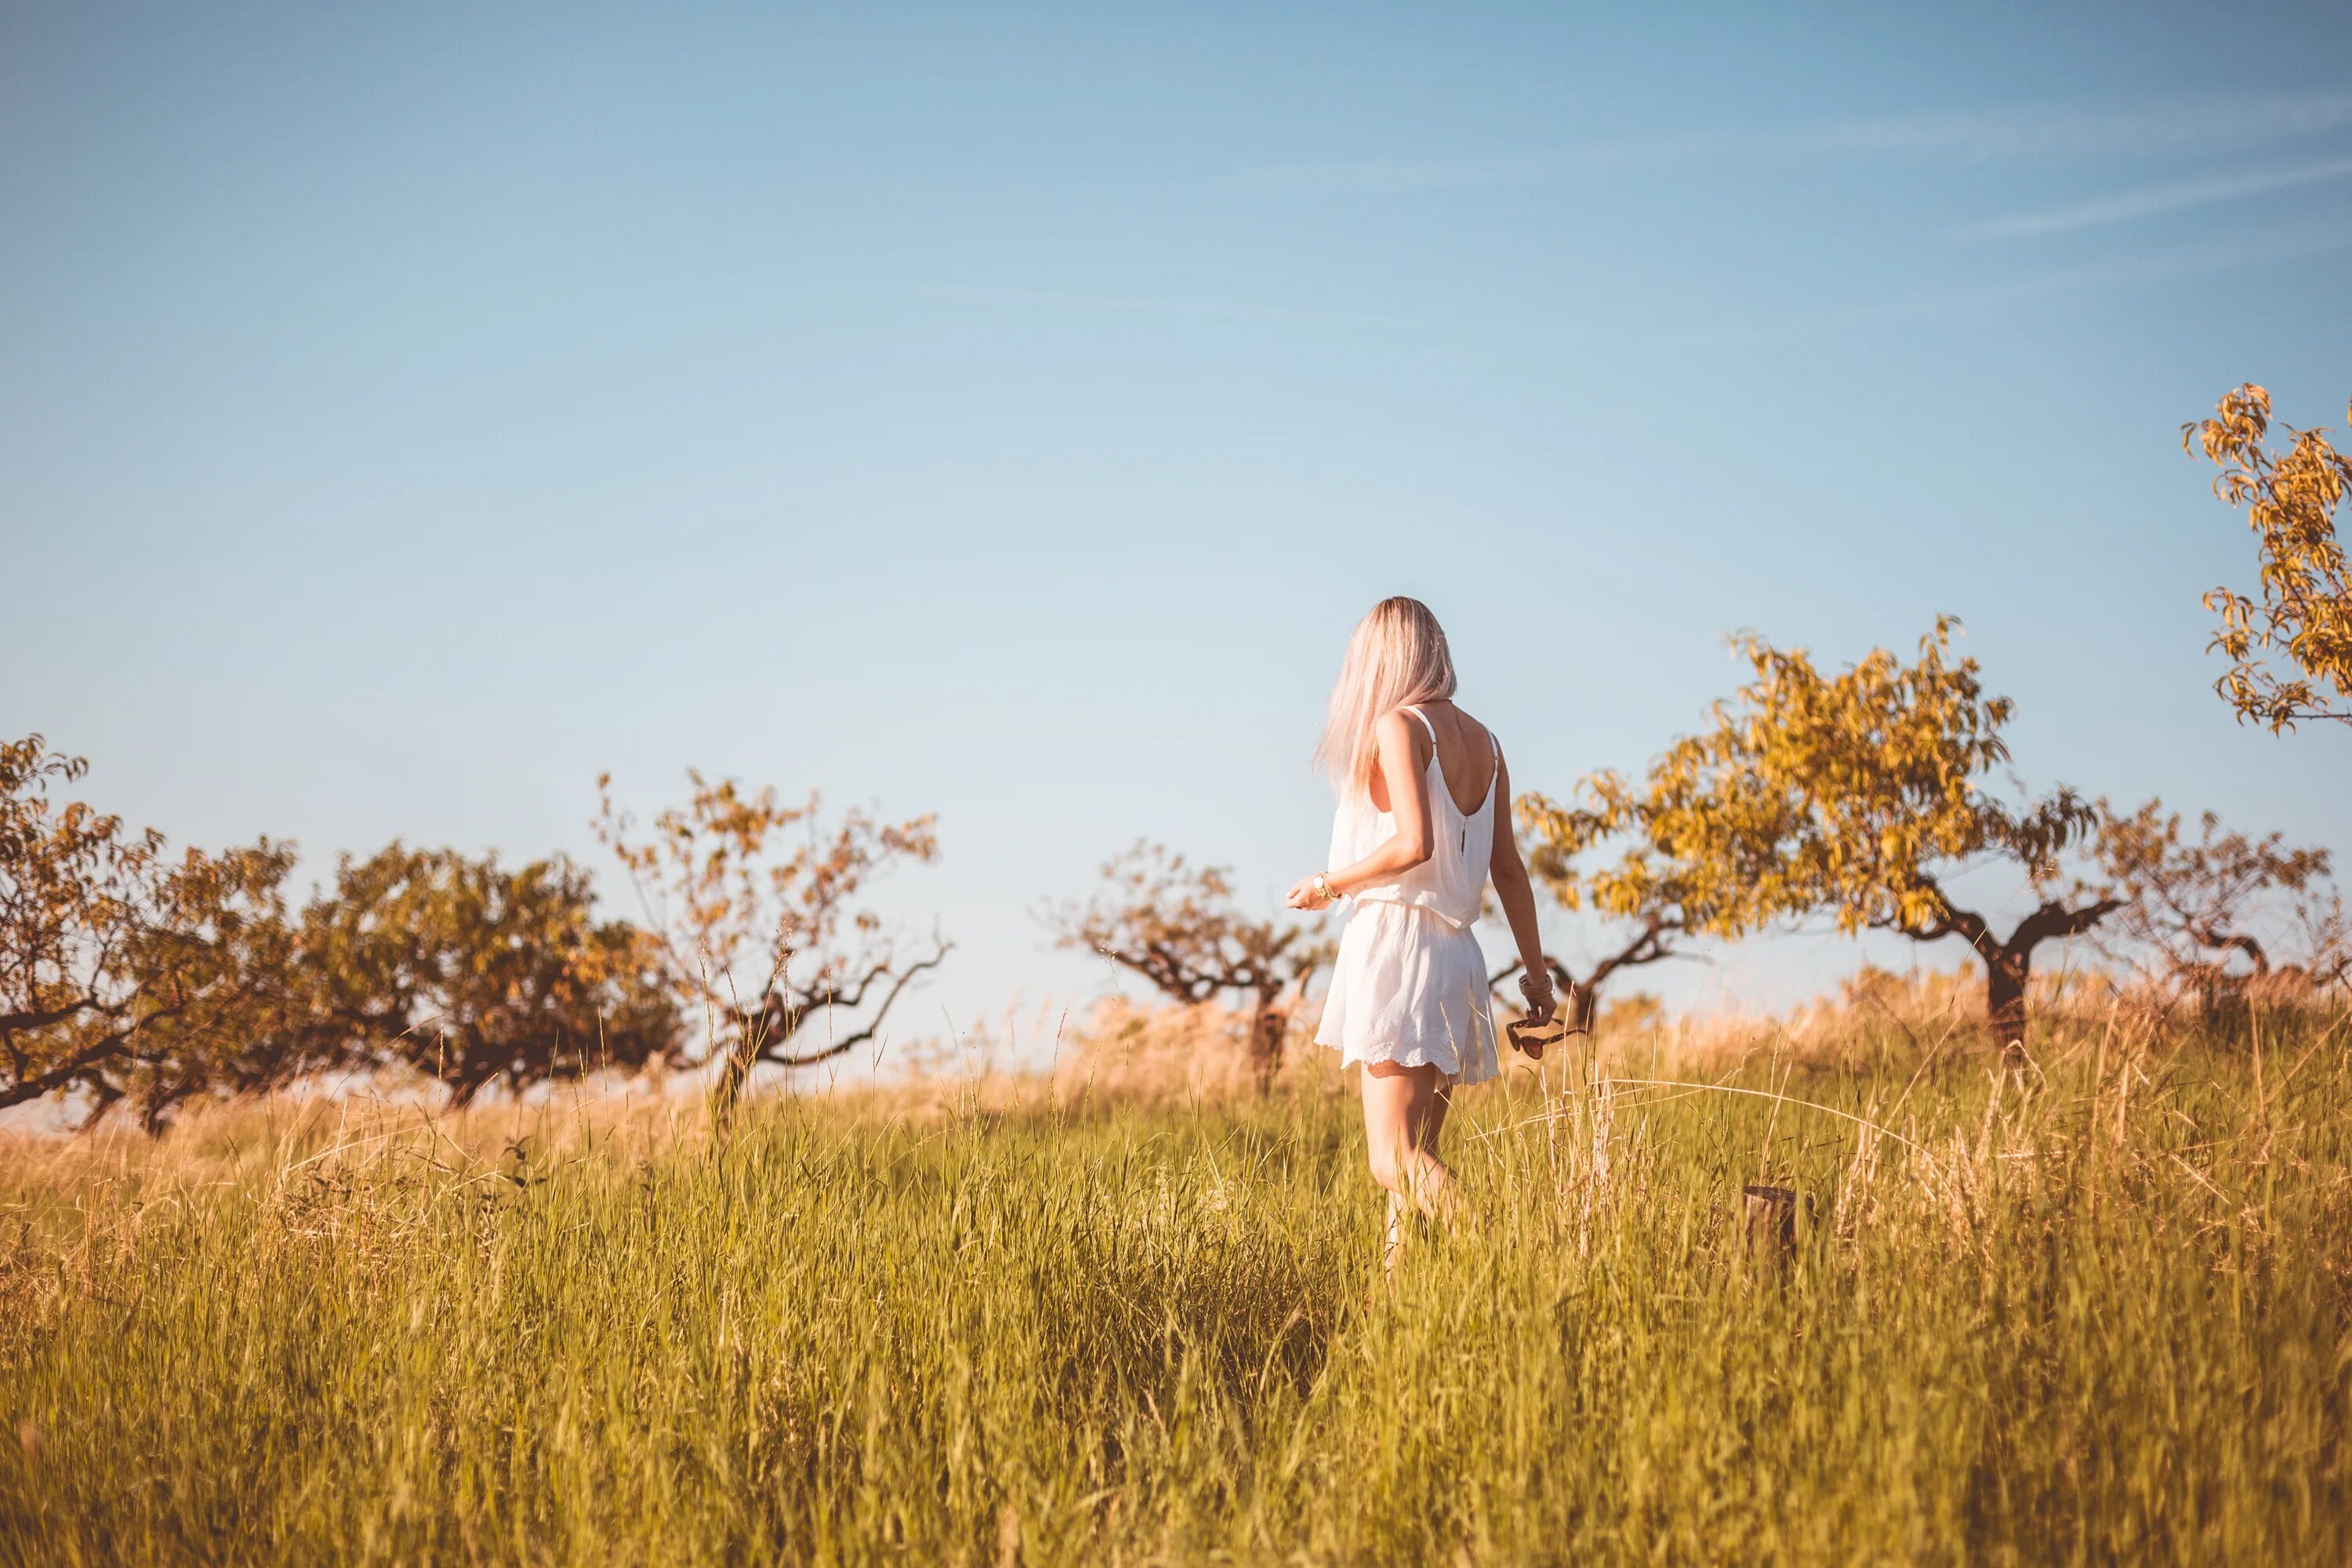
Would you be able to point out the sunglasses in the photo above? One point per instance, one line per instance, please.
(1535, 1038)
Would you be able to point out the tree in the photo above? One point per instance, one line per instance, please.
(1659, 897)
(473, 975)
(2306, 604)
(1855, 794)
(125, 972)
(762, 939)
(1175, 924)
(2222, 911)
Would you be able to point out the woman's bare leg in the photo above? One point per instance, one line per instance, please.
(1432, 1125)
(1405, 1112)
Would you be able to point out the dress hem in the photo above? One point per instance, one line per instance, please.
(1458, 1074)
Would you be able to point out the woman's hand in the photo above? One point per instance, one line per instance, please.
(1540, 998)
(1305, 893)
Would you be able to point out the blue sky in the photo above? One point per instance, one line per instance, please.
(411, 411)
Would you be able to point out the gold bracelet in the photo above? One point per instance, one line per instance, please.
(1323, 887)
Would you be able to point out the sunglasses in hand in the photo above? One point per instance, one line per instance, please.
(1535, 1038)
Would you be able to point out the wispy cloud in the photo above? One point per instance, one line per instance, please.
(2153, 201)
(2052, 131)
(2016, 132)
(1092, 303)
(1962, 298)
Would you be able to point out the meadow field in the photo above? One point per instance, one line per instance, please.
(2092, 1308)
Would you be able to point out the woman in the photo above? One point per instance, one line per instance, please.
(1422, 792)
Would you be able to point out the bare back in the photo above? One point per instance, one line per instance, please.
(1466, 756)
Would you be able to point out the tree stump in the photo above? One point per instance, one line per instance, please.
(1772, 1221)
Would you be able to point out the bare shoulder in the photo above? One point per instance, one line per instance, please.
(1398, 727)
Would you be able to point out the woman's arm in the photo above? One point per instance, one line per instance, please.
(1518, 897)
(1407, 777)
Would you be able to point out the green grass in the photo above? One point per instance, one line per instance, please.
(2095, 1313)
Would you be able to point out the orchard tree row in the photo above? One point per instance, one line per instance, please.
(133, 976)
(1860, 797)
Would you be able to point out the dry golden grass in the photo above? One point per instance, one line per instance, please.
(2096, 1308)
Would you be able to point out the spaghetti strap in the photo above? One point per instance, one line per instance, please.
(1425, 724)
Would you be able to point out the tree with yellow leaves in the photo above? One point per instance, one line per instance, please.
(1855, 794)
(2306, 611)
(469, 972)
(766, 938)
(1656, 898)
(126, 973)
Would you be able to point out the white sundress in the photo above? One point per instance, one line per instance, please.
(1410, 984)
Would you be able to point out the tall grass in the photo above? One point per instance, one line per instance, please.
(2093, 1309)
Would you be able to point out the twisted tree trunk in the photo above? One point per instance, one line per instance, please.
(1579, 1000)
(767, 1034)
(1269, 1032)
(2009, 964)
(2008, 971)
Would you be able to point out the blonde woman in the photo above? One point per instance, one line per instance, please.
(1425, 799)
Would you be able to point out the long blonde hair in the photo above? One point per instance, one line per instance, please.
(1396, 655)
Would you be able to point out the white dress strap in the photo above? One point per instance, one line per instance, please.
(1426, 725)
